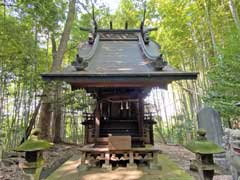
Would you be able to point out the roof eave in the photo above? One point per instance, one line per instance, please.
(116, 80)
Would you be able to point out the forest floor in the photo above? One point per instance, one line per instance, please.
(169, 170)
(12, 163)
(174, 161)
(182, 157)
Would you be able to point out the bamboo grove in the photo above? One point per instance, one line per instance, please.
(195, 35)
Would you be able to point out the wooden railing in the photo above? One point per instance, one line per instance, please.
(148, 117)
(90, 117)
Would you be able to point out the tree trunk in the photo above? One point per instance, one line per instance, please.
(31, 123)
(234, 13)
(58, 125)
(45, 114)
(57, 61)
(209, 23)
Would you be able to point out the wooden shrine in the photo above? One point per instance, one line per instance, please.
(119, 67)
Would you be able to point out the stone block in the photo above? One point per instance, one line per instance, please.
(107, 167)
(131, 166)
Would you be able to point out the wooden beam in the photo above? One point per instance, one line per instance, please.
(118, 39)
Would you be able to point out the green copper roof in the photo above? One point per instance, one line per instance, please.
(119, 59)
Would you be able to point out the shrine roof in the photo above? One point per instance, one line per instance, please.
(119, 58)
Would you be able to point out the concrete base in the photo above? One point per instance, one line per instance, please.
(82, 167)
(107, 167)
(154, 166)
(131, 166)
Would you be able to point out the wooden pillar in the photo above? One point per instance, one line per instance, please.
(151, 134)
(140, 115)
(97, 120)
(86, 134)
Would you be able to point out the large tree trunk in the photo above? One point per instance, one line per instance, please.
(58, 122)
(234, 14)
(57, 61)
(46, 114)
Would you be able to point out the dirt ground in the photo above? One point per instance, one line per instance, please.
(182, 157)
(175, 161)
(169, 170)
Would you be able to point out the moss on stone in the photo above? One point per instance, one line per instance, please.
(204, 147)
(33, 144)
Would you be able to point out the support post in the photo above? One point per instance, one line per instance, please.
(107, 164)
(107, 157)
(83, 158)
(111, 25)
(155, 158)
(131, 158)
(131, 164)
(83, 166)
(97, 121)
(86, 134)
(126, 25)
(154, 163)
(140, 116)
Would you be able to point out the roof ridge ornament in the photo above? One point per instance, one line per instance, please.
(94, 29)
(79, 64)
(160, 63)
